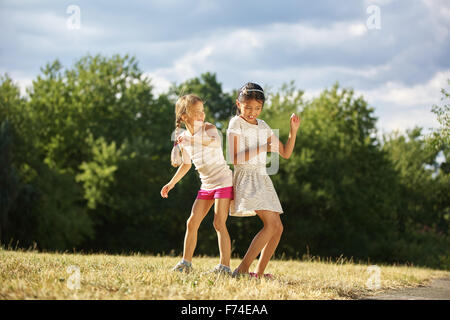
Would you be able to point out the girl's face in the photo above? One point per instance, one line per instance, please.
(250, 109)
(195, 113)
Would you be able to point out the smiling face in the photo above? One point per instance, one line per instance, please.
(250, 109)
(194, 113)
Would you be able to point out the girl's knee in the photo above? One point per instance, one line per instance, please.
(192, 223)
(279, 228)
(219, 224)
(275, 227)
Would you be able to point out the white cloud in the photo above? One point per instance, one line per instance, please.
(440, 8)
(232, 49)
(51, 24)
(305, 35)
(401, 121)
(357, 29)
(402, 96)
(47, 31)
(22, 80)
(387, 66)
(400, 107)
(190, 65)
(377, 2)
(439, 12)
(159, 83)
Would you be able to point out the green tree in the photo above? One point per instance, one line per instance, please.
(11, 149)
(9, 180)
(441, 136)
(40, 203)
(83, 158)
(68, 113)
(423, 207)
(337, 187)
(99, 96)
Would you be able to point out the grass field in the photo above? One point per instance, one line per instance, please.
(33, 275)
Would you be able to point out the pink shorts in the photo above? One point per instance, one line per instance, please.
(221, 193)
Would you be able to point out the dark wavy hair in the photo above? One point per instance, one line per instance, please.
(250, 91)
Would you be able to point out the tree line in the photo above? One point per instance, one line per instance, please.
(84, 154)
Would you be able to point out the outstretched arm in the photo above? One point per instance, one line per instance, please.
(181, 172)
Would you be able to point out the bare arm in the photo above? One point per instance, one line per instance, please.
(211, 139)
(181, 172)
(285, 150)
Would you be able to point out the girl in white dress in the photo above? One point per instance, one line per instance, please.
(249, 140)
(201, 144)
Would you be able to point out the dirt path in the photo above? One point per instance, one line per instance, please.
(438, 289)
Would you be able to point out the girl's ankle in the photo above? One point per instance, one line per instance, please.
(241, 271)
(186, 262)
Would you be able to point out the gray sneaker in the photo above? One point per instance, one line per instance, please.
(221, 269)
(183, 266)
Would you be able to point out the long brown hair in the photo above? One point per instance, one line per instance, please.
(181, 107)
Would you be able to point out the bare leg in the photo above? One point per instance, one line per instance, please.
(271, 222)
(200, 209)
(221, 210)
(268, 251)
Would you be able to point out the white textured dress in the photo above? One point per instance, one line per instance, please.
(253, 188)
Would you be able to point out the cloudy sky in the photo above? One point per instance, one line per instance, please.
(396, 54)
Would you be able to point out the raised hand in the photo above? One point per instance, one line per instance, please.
(294, 122)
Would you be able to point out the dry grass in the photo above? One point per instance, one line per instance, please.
(33, 275)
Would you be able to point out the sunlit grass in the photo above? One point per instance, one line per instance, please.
(33, 275)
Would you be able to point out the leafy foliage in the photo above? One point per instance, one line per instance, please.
(83, 157)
